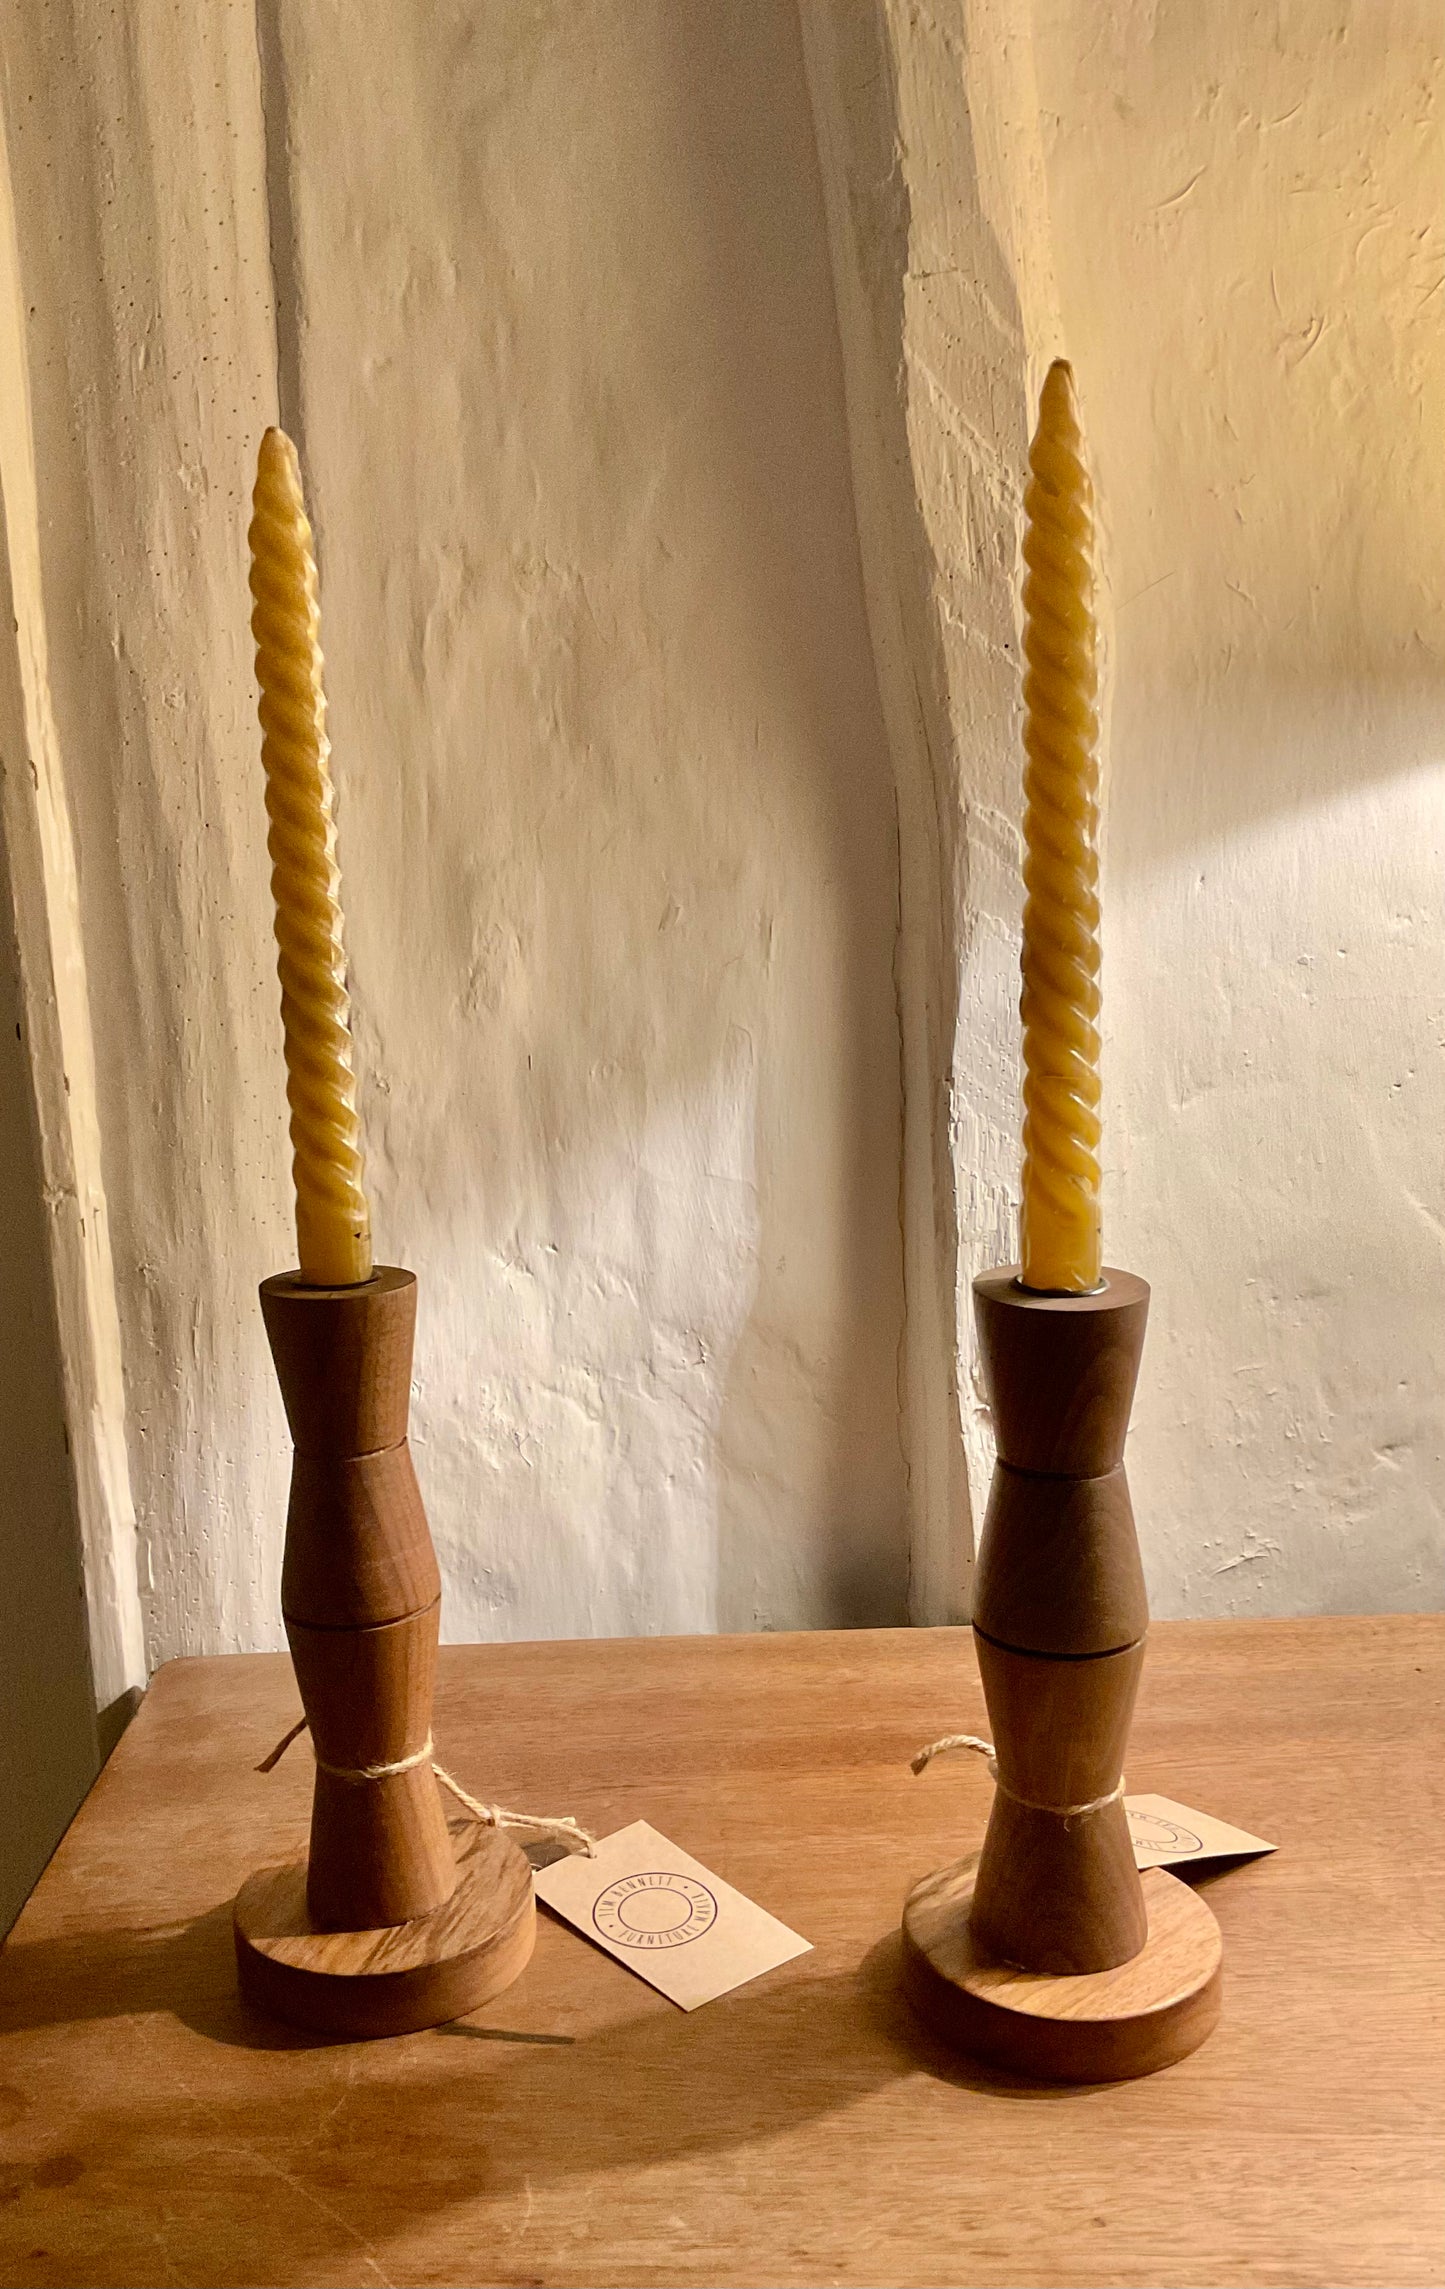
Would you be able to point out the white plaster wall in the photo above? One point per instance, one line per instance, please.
(869, 165)
(927, 129)
(1250, 252)
(137, 165)
(643, 899)
(550, 306)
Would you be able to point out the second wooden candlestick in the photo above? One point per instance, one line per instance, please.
(1045, 1953)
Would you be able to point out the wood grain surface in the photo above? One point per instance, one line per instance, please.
(1058, 1629)
(361, 1600)
(1059, 1894)
(358, 1547)
(404, 1975)
(1155, 2007)
(343, 1359)
(581, 2131)
(1061, 1370)
(1058, 1564)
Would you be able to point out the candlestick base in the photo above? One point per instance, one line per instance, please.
(1097, 2026)
(401, 1977)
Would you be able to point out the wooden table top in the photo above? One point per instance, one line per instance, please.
(581, 2130)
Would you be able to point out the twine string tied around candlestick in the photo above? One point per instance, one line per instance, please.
(985, 1748)
(562, 1828)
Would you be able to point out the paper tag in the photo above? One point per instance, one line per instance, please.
(667, 1917)
(1166, 1834)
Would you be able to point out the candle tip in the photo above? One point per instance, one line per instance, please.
(1058, 389)
(278, 481)
(277, 452)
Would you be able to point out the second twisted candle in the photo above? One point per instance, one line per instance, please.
(333, 1223)
(1059, 1220)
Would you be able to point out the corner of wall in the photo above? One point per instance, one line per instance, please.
(55, 999)
(932, 163)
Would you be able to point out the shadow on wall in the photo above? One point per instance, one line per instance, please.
(617, 819)
(47, 1714)
(782, 495)
(907, 102)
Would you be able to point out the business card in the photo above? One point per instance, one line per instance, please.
(667, 1917)
(1167, 1835)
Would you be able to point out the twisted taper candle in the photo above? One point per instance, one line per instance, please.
(1059, 1221)
(333, 1224)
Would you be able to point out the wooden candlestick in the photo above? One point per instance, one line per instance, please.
(1045, 1953)
(387, 1925)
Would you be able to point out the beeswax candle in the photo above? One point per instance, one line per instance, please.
(333, 1223)
(1059, 1221)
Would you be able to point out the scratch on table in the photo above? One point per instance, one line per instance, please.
(163, 2246)
(306, 2194)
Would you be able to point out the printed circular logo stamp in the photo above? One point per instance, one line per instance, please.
(1157, 1834)
(654, 1909)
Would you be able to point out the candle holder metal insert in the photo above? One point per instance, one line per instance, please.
(395, 1920)
(1046, 1953)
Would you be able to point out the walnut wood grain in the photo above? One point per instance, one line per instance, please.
(379, 1849)
(1058, 1564)
(805, 2129)
(358, 1548)
(1060, 1370)
(1149, 2012)
(1056, 1893)
(343, 1359)
(1060, 1625)
(393, 1980)
(360, 1599)
(1059, 1728)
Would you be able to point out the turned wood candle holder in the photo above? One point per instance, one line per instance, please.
(1046, 1953)
(394, 1920)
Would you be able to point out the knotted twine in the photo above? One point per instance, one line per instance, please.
(986, 1748)
(565, 1831)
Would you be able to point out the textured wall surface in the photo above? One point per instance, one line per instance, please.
(616, 812)
(605, 330)
(550, 303)
(927, 130)
(137, 164)
(47, 1712)
(1250, 252)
